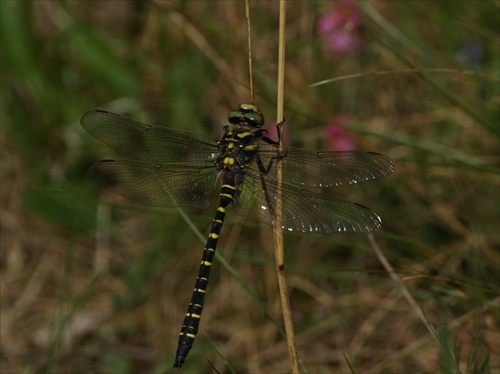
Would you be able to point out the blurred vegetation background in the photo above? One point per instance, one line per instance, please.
(93, 284)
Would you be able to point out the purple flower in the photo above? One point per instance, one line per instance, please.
(471, 54)
(341, 27)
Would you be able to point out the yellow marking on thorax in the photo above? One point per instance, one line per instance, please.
(242, 135)
(228, 161)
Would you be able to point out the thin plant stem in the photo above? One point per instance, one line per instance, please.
(407, 295)
(279, 252)
(404, 291)
(249, 35)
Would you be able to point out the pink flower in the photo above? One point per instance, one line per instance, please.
(341, 27)
(337, 138)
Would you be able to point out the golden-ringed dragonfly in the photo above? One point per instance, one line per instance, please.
(169, 168)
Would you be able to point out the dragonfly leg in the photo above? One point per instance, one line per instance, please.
(265, 170)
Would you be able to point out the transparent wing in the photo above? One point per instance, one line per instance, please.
(303, 211)
(140, 141)
(179, 184)
(326, 169)
(175, 168)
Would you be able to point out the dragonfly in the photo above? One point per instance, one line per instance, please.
(175, 168)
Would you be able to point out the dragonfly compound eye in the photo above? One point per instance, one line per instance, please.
(254, 119)
(252, 115)
(236, 117)
(248, 114)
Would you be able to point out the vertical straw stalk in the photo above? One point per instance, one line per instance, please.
(279, 252)
(278, 231)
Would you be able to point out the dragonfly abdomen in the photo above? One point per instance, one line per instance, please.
(192, 319)
(236, 150)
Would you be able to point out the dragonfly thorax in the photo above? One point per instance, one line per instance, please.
(237, 147)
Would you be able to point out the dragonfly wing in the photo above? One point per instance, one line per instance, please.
(141, 141)
(159, 184)
(303, 211)
(327, 169)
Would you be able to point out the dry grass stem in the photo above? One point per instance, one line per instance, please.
(279, 251)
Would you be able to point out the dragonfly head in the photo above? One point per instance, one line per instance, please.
(247, 114)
